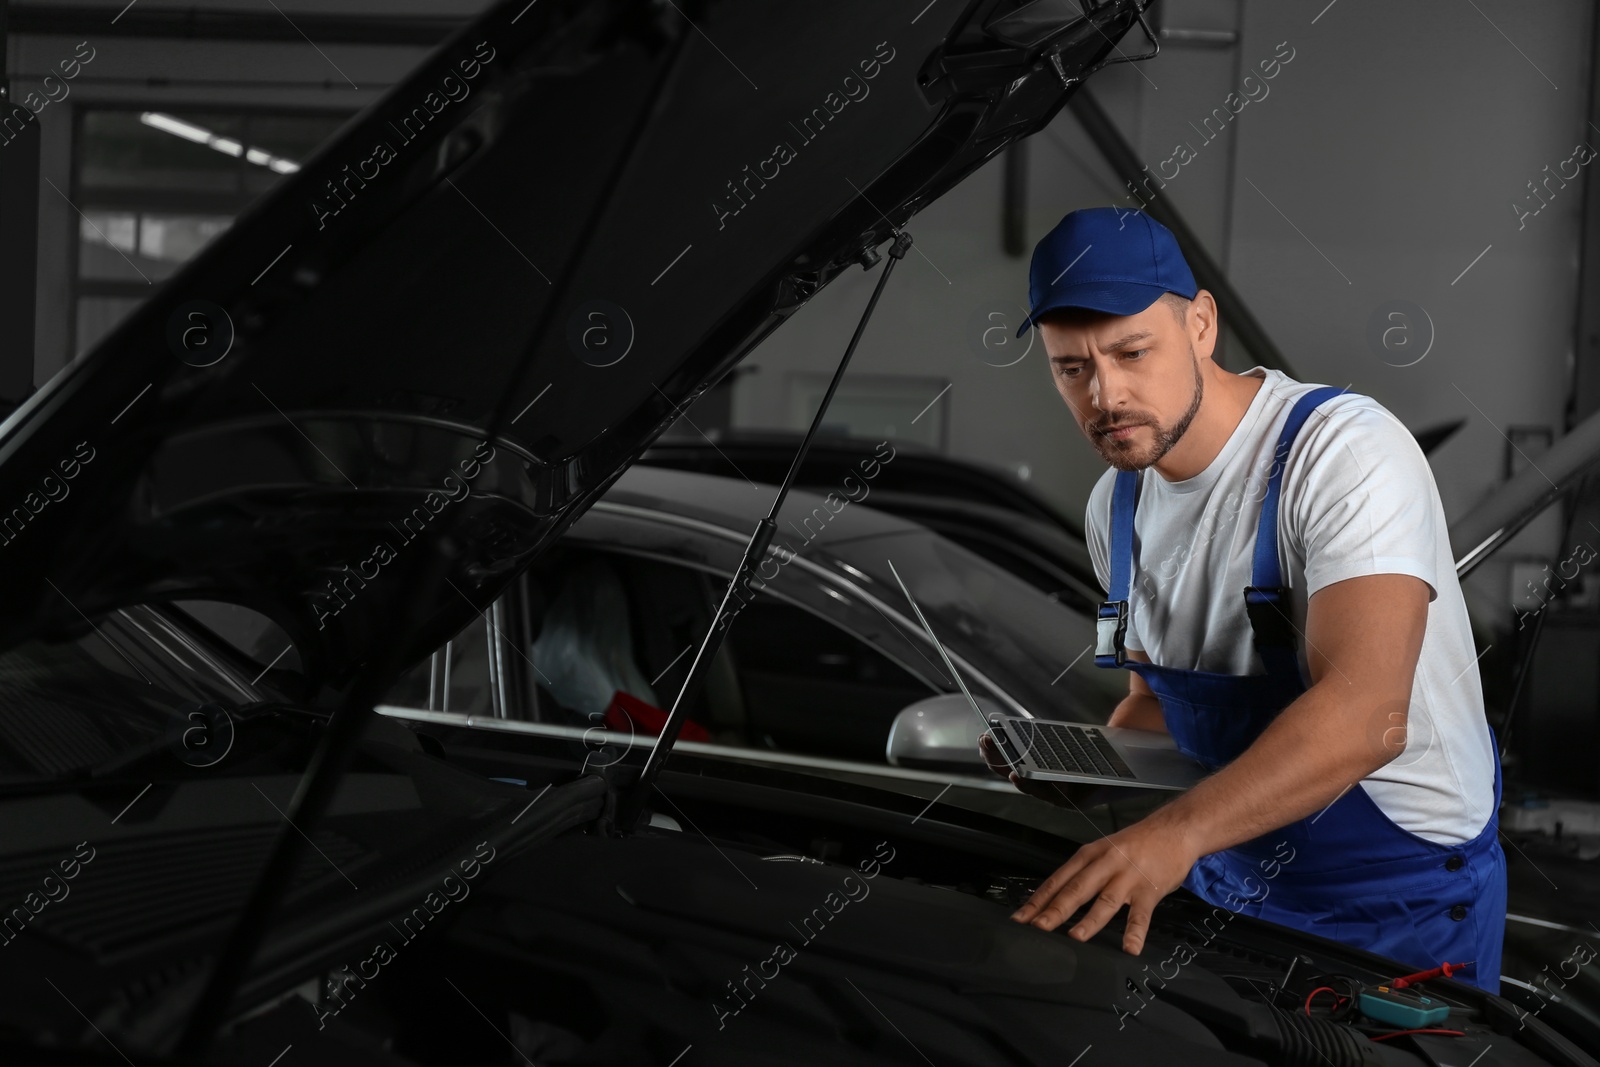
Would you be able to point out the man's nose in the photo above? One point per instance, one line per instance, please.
(1110, 388)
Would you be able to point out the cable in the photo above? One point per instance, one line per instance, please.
(1344, 1003)
(1319, 989)
(1402, 1033)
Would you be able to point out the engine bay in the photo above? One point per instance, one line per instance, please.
(762, 915)
(746, 926)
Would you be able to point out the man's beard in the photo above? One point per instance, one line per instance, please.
(1121, 455)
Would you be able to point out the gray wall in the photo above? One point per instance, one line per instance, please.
(1391, 147)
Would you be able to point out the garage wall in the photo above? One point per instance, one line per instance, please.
(167, 74)
(1376, 165)
(1407, 134)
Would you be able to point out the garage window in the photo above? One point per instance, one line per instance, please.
(153, 188)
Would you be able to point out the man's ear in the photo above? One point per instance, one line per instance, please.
(1203, 323)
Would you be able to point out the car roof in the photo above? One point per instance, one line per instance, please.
(737, 504)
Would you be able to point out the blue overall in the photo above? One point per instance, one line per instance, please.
(1348, 873)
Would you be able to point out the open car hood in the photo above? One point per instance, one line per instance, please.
(567, 223)
(1517, 501)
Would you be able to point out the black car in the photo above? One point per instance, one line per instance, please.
(353, 422)
(978, 506)
(983, 508)
(823, 655)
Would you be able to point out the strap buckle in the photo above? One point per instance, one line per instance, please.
(1111, 626)
(1265, 607)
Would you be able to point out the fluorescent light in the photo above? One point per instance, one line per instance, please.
(226, 145)
(168, 124)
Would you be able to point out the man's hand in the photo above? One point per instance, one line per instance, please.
(1074, 795)
(1136, 867)
(1053, 792)
(1363, 637)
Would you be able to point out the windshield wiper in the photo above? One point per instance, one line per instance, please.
(630, 806)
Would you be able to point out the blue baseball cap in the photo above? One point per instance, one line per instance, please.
(1106, 259)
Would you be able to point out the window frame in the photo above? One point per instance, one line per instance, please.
(152, 199)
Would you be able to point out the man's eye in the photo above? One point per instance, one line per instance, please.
(1069, 372)
(1136, 353)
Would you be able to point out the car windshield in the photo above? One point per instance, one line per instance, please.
(107, 699)
(1035, 649)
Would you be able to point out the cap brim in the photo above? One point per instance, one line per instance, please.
(1113, 298)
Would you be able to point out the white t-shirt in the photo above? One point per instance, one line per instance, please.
(1357, 497)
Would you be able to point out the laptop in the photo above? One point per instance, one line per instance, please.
(1055, 751)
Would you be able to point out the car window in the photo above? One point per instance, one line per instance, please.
(1037, 648)
(456, 678)
(810, 687)
(572, 655)
(611, 631)
(1015, 645)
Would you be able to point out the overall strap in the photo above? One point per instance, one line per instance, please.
(1266, 599)
(1111, 622)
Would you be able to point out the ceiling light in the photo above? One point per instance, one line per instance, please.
(168, 124)
(226, 145)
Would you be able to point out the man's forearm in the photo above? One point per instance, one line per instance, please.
(1138, 711)
(1316, 748)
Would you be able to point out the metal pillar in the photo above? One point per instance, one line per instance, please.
(19, 234)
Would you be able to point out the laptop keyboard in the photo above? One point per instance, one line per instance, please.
(1070, 749)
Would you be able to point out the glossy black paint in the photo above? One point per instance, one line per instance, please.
(762, 454)
(983, 508)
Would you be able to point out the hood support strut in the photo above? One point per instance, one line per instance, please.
(630, 808)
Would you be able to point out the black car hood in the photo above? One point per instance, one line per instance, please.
(577, 215)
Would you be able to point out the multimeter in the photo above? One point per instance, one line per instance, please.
(1401, 1007)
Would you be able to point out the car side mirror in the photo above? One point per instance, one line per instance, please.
(940, 733)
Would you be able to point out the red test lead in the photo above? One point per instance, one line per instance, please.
(1445, 969)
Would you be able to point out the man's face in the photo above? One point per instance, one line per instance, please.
(1139, 374)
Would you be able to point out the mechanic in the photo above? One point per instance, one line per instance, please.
(1254, 532)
